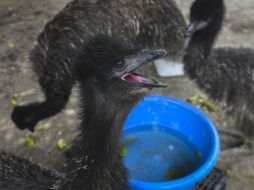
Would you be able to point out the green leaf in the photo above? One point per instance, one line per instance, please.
(193, 99)
(210, 106)
(198, 154)
(124, 151)
(126, 143)
(169, 175)
(204, 103)
(174, 173)
(40, 127)
(29, 141)
(14, 102)
(129, 140)
(62, 143)
(11, 45)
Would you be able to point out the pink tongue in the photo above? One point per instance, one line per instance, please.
(133, 78)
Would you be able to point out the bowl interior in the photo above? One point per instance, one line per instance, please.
(183, 118)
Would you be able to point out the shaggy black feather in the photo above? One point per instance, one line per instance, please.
(106, 100)
(20, 174)
(226, 74)
(149, 23)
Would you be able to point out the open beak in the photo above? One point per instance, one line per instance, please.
(138, 60)
(195, 26)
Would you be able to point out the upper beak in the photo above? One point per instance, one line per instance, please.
(194, 26)
(145, 56)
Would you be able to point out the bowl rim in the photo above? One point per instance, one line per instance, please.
(203, 170)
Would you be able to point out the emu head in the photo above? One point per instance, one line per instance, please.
(112, 64)
(206, 15)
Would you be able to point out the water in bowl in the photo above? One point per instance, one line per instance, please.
(157, 154)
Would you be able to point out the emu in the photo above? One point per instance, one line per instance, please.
(105, 68)
(226, 74)
(148, 23)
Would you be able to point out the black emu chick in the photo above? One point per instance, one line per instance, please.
(153, 23)
(226, 74)
(109, 89)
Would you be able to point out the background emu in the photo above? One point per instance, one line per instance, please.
(154, 23)
(109, 89)
(226, 74)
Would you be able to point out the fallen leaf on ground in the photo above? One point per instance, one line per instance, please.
(204, 103)
(29, 141)
(11, 45)
(14, 102)
(62, 143)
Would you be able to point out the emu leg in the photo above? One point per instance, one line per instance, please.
(26, 117)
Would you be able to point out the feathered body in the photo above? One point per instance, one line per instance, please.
(148, 23)
(226, 74)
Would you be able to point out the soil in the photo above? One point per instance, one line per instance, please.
(21, 22)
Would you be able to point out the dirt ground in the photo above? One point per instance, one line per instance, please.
(20, 23)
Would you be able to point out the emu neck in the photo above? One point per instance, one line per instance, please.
(103, 116)
(199, 49)
(202, 42)
(103, 113)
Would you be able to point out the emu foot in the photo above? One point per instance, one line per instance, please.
(233, 142)
(23, 119)
(245, 149)
(230, 138)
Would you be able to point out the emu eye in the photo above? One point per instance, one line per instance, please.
(119, 65)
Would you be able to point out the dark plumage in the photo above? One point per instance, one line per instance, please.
(226, 74)
(20, 174)
(109, 89)
(149, 23)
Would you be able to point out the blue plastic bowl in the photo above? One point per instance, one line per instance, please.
(189, 121)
